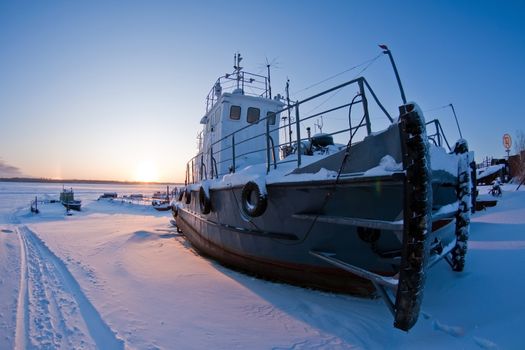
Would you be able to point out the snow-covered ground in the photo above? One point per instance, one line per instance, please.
(118, 275)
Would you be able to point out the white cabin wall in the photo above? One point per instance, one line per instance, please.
(219, 125)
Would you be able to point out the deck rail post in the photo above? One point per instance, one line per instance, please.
(233, 153)
(267, 145)
(298, 136)
(211, 162)
(365, 105)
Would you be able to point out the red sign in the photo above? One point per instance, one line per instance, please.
(507, 141)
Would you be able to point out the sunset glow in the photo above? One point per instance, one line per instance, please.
(86, 90)
(146, 171)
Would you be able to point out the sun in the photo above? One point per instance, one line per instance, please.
(146, 171)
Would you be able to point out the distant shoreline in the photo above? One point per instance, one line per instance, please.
(77, 181)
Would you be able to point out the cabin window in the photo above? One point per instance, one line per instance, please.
(271, 118)
(253, 115)
(235, 112)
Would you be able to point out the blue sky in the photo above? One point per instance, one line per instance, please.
(103, 89)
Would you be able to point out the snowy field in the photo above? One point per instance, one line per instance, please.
(117, 275)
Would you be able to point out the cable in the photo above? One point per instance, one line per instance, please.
(436, 108)
(337, 91)
(338, 74)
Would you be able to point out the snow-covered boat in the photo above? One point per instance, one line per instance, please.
(364, 216)
(67, 198)
(161, 200)
(159, 195)
(108, 195)
(161, 204)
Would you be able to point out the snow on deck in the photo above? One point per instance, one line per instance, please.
(119, 274)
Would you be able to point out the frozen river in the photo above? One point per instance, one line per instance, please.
(118, 275)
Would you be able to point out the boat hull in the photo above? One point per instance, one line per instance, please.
(161, 205)
(72, 205)
(298, 221)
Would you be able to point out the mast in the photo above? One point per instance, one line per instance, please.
(269, 81)
(288, 105)
(237, 67)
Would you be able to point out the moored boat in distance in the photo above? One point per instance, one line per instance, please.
(161, 205)
(108, 195)
(349, 209)
(161, 200)
(67, 198)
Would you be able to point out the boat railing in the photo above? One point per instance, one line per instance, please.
(249, 83)
(438, 135)
(205, 166)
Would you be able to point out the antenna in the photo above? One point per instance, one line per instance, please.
(319, 124)
(237, 66)
(288, 105)
(273, 63)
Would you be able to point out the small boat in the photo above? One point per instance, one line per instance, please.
(34, 206)
(161, 201)
(67, 199)
(161, 205)
(108, 195)
(136, 196)
(159, 195)
(351, 209)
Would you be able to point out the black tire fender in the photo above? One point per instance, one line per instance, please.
(204, 201)
(253, 200)
(417, 211)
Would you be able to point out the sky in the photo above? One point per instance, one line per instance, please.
(115, 89)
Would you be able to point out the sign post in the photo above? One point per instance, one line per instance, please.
(507, 143)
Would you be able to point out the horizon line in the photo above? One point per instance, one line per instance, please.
(50, 180)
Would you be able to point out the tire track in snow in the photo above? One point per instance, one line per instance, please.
(56, 312)
(22, 320)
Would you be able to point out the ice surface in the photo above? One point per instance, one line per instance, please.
(119, 274)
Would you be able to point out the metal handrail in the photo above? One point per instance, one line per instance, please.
(270, 144)
(246, 80)
(440, 134)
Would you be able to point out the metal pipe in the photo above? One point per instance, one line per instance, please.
(192, 172)
(233, 152)
(211, 162)
(288, 107)
(377, 100)
(455, 117)
(365, 106)
(267, 146)
(438, 133)
(269, 81)
(298, 131)
(386, 51)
